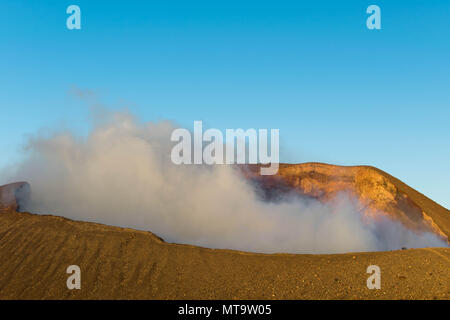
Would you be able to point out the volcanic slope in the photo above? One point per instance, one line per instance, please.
(119, 263)
(377, 192)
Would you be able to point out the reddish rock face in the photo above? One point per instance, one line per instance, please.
(377, 192)
(13, 195)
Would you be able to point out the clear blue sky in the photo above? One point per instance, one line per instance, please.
(338, 92)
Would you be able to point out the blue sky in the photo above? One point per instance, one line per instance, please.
(338, 92)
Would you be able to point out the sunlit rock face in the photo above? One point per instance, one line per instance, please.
(376, 192)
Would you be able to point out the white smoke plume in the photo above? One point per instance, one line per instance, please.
(121, 174)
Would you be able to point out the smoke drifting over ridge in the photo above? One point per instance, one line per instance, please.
(121, 174)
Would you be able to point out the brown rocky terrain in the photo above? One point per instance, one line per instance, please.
(12, 194)
(119, 263)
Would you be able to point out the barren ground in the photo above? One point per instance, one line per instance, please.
(119, 263)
